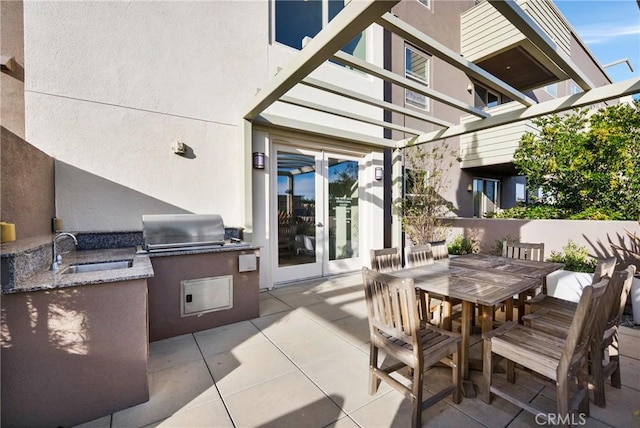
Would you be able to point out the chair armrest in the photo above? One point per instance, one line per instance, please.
(500, 330)
(537, 299)
(538, 314)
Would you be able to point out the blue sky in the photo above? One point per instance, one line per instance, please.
(611, 30)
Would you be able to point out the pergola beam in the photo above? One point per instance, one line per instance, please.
(338, 90)
(391, 77)
(341, 113)
(593, 96)
(351, 21)
(430, 45)
(523, 22)
(321, 130)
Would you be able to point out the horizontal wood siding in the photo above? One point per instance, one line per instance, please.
(492, 146)
(478, 39)
(546, 16)
(485, 32)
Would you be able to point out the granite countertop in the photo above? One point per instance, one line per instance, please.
(50, 280)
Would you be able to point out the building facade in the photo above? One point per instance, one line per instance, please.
(111, 87)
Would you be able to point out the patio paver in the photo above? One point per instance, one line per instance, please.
(304, 363)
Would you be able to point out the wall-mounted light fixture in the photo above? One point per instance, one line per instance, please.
(470, 87)
(179, 148)
(258, 160)
(469, 187)
(379, 173)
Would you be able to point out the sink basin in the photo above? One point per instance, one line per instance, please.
(98, 266)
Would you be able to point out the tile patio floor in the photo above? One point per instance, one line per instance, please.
(303, 363)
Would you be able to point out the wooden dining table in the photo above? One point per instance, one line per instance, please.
(478, 280)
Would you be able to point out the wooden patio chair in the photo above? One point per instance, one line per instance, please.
(605, 332)
(430, 308)
(395, 327)
(562, 360)
(439, 250)
(386, 259)
(604, 269)
(418, 255)
(440, 311)
(522, 251)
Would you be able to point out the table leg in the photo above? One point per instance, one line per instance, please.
(486, 321)
(521, 298)
(446, 314)
(508, 310)
(465, 332)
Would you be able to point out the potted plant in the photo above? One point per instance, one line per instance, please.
(569, 282)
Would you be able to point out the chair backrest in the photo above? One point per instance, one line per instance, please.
(616, 298)
(391, 304)
(386, 259)
(523, 250)
(439, 250)
(418, 255)
(588, 312)
(604, 269)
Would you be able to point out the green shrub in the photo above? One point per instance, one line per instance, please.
(594, 213)
(461, 245)
(574, 257)
(531, 212)
(546, 211)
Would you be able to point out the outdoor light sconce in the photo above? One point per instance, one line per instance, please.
(469, 187)
(258, 160)
(379, 173)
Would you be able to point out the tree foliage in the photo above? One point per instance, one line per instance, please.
(586, 161)
(423, 206)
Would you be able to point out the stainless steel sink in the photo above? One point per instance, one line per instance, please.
(98, 266)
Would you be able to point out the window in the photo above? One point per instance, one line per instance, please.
(417, 69)
(552, 90)
(521, 192)
(485, 98)
(574, 89)
(485, 196)
(297, 19)
(426, 3)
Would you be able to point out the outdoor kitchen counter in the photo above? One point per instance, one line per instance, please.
(49, 280)
(196, 250)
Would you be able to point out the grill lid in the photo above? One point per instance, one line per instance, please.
(161, 231)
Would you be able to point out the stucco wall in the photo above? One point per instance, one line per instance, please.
(27, 189)
(112, 85)
(26, 173)
(442, 22)
(597, 236)
(12, 81)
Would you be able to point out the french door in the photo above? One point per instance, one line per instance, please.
(316, 218)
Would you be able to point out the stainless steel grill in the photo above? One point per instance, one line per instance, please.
(174, 232)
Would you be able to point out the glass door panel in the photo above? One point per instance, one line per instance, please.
(343, 219)
(343, 214)
(296, 209)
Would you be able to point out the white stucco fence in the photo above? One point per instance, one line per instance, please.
(597, 236)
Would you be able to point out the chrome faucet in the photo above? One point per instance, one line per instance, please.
(56, 260)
